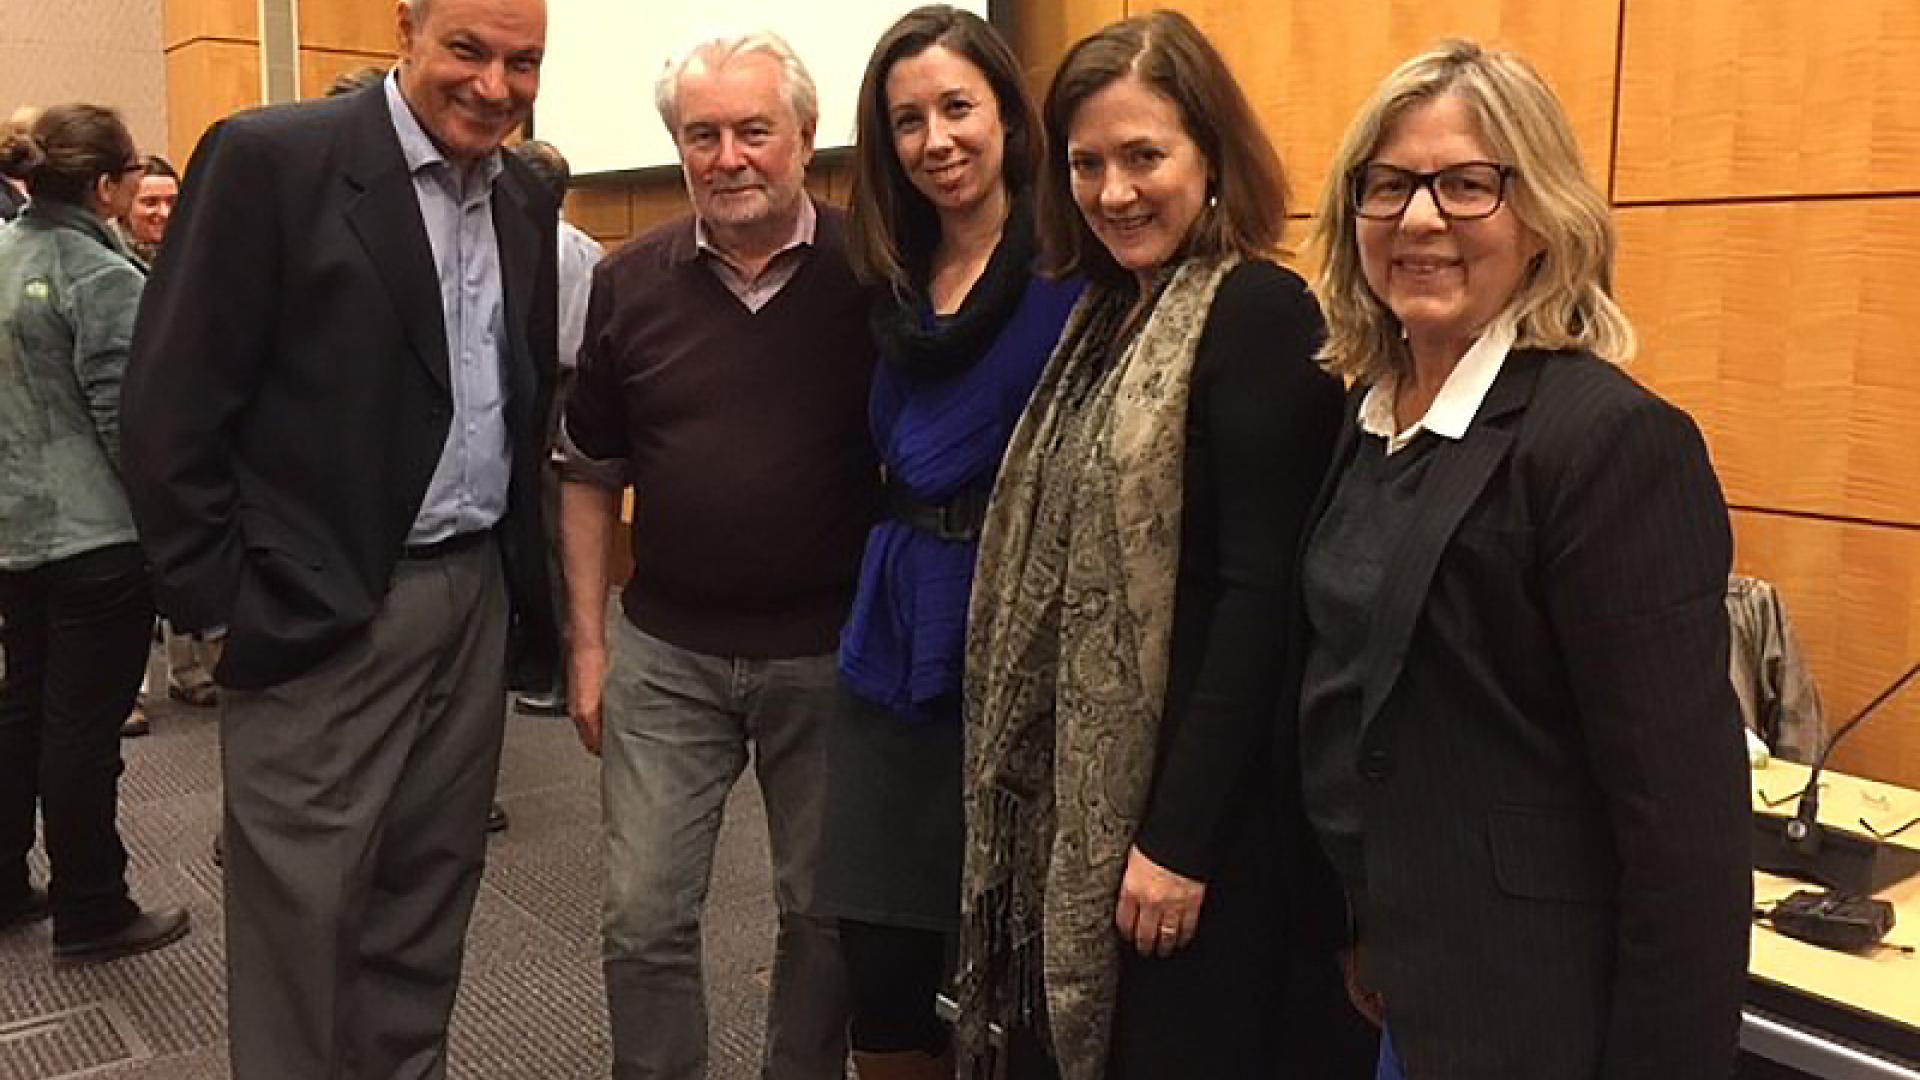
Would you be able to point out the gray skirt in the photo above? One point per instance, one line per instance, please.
(891, 848)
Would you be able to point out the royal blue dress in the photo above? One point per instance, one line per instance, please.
(893, 818)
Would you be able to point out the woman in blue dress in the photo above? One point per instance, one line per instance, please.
(948, 142)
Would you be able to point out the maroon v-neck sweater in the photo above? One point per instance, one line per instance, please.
(746, 440)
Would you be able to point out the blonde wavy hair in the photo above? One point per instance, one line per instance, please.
(1566, 299)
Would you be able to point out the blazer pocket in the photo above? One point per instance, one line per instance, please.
(1552, 853)
(282, 586)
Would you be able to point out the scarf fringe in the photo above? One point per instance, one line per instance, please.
(1005, 985)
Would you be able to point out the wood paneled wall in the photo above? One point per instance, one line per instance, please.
(339, 36)
(1763, 157)
(1767, 180)
(213, 66)
(213, 56)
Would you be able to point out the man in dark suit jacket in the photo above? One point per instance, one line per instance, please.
(333, 448)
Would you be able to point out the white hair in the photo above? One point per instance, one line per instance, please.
(720, 50)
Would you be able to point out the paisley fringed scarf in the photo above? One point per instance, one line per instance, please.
(1066, 668)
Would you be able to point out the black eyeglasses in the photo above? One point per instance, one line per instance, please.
(1468, 191)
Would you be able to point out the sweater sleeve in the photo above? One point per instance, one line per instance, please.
(592, 440)
(1261, 426)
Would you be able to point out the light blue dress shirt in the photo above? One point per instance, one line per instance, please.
(578, 254)
(469, 487)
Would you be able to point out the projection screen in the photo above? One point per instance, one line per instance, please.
(596, 86)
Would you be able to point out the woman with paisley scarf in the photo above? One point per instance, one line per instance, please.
(1135, 891)
(946, 149)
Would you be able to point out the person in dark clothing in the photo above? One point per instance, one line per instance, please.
(335, 427)
(942, 232)
(1135, 903)
(1519, 744)
(75, 599)
(724, 371)
(16, 153)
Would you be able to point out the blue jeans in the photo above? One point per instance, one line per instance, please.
(678, 729)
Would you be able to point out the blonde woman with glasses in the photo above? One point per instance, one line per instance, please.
(1519, 745)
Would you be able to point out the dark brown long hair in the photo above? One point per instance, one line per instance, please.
(73, 146)
(890, 218)
(1247, 213)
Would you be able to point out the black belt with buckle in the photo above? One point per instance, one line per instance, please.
(959, 518)
(452, 545)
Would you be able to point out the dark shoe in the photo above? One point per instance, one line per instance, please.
(904, 1065)
(496, 818)
(148, 931)
(200, 696)
(545, 703)
(30, 908)
(135, 724)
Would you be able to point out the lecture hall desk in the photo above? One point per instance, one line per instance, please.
(1820, 1013)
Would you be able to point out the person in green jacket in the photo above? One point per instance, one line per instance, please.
(74, 594)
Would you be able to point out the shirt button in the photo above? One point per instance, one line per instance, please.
(1376, 765)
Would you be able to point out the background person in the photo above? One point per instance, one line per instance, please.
(942, 230)
(146, 222)
(190, 657)
(577, 254)
(15, 153)
(76, 609)
(1520, 745)
(1131, 870)
(358, 79)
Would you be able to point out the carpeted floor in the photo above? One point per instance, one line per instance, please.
(530, 1007)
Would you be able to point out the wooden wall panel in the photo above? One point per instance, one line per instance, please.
(1769, 97)
(368, 26)
(191, 20)
(319, 67)
(1040, 33)
(658, 200)
(830, 177)
(604, 213)
(1307, 65)
(1788, 330)
(207, 80)
(1853, 593)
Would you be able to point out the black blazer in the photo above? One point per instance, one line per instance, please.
(287, 398)
(1553, 784)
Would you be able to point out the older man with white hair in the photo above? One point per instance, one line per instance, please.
(724, 373)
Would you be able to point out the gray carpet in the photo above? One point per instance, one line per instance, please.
(530, 1007)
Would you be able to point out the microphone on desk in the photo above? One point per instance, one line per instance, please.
(1803, 831)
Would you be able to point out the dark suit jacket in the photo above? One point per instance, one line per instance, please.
(1553, 784)
(287, 398)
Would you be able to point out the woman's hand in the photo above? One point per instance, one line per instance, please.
(1159, 910)
(1369, 1003)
